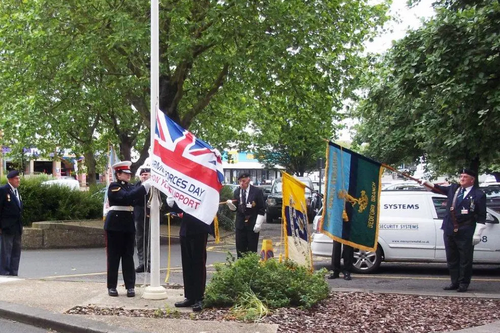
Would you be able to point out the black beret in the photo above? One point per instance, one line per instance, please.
(243, 175)
(12, 174)
(469, 172)
(144, 170)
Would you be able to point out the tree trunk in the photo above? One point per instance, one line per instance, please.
(90, 163)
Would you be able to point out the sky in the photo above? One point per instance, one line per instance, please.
(406, 19)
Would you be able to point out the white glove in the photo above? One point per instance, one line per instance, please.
(426, 183)
(147, 184)
(231, 205)
(477, 233)
(170, 202)
(258, 223)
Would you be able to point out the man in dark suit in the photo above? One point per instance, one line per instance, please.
(249, 216)
(462, 226)
(193, 237)
(120, 229)
(11, 225)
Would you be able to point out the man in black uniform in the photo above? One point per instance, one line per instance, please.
(141, 217)
(462, 226)
(120, 229)
(250, 214)
(193, 236)
(11, 225)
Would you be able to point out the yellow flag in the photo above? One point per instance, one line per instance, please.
(296, 228)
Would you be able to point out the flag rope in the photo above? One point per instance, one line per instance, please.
(169, 249)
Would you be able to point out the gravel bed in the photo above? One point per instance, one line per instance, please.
(351, 312)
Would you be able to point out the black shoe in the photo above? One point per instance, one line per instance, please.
(451, 287)
(198, 306)
(185, 303)
(462, 288)
(131, 292)
(334, 275)
(139, 269)
(347, 276)
(112, 292)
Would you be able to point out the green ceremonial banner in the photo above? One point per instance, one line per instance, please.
(352, 196)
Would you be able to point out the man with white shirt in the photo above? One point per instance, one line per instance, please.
(11, 225)
(248, 202)
(462, 226)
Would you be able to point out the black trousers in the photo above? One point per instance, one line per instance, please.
(142, 227)
(347, 254)
(194, 260)
(10, 253)
(120, 246)
(459, 255)
(246, 241)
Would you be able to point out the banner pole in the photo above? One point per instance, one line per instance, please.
(154, 290)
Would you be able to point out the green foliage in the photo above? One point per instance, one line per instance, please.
(52, 203)
(249, 308)
(70, 70)
(224, 214)
(437, 92)
(275, 284)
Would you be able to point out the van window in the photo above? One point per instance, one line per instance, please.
(440, 206)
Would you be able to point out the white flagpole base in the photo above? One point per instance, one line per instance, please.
(155, 293)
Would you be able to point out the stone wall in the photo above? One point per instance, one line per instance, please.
(62, 234)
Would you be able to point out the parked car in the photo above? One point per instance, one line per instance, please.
(275, 199)
(410, 231)
(266, 189)
(64, 182)
(403, 186)
(492, 196)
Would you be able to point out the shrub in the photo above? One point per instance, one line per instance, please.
(276, 284)
(51, 203)
(224, 214)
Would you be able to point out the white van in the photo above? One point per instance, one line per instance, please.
(410, 230)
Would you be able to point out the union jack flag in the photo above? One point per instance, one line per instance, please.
(187, 169)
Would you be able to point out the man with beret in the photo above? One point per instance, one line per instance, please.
(250, 214)
(11, 225)
(141, 217)
(462, 226)
(120, 228)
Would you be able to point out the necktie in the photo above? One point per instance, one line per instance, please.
(461, 193)
(15, 193)
(243, 200)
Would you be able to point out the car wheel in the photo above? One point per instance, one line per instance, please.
(269, 218)
(366, 261)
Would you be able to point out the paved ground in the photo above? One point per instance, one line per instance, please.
(43, 303)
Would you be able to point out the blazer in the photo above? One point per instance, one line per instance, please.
(10, 211)
(120, 193)
(467, 211)
(190, 225)
(255, 199)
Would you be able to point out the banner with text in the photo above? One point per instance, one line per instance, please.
(297, 241)
(187, 169)
(352, 197)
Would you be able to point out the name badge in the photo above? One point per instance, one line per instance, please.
(464, 211)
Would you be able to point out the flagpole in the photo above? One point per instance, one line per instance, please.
(154, 290)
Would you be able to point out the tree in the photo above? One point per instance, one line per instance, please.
(222, 63)
(437, 92)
